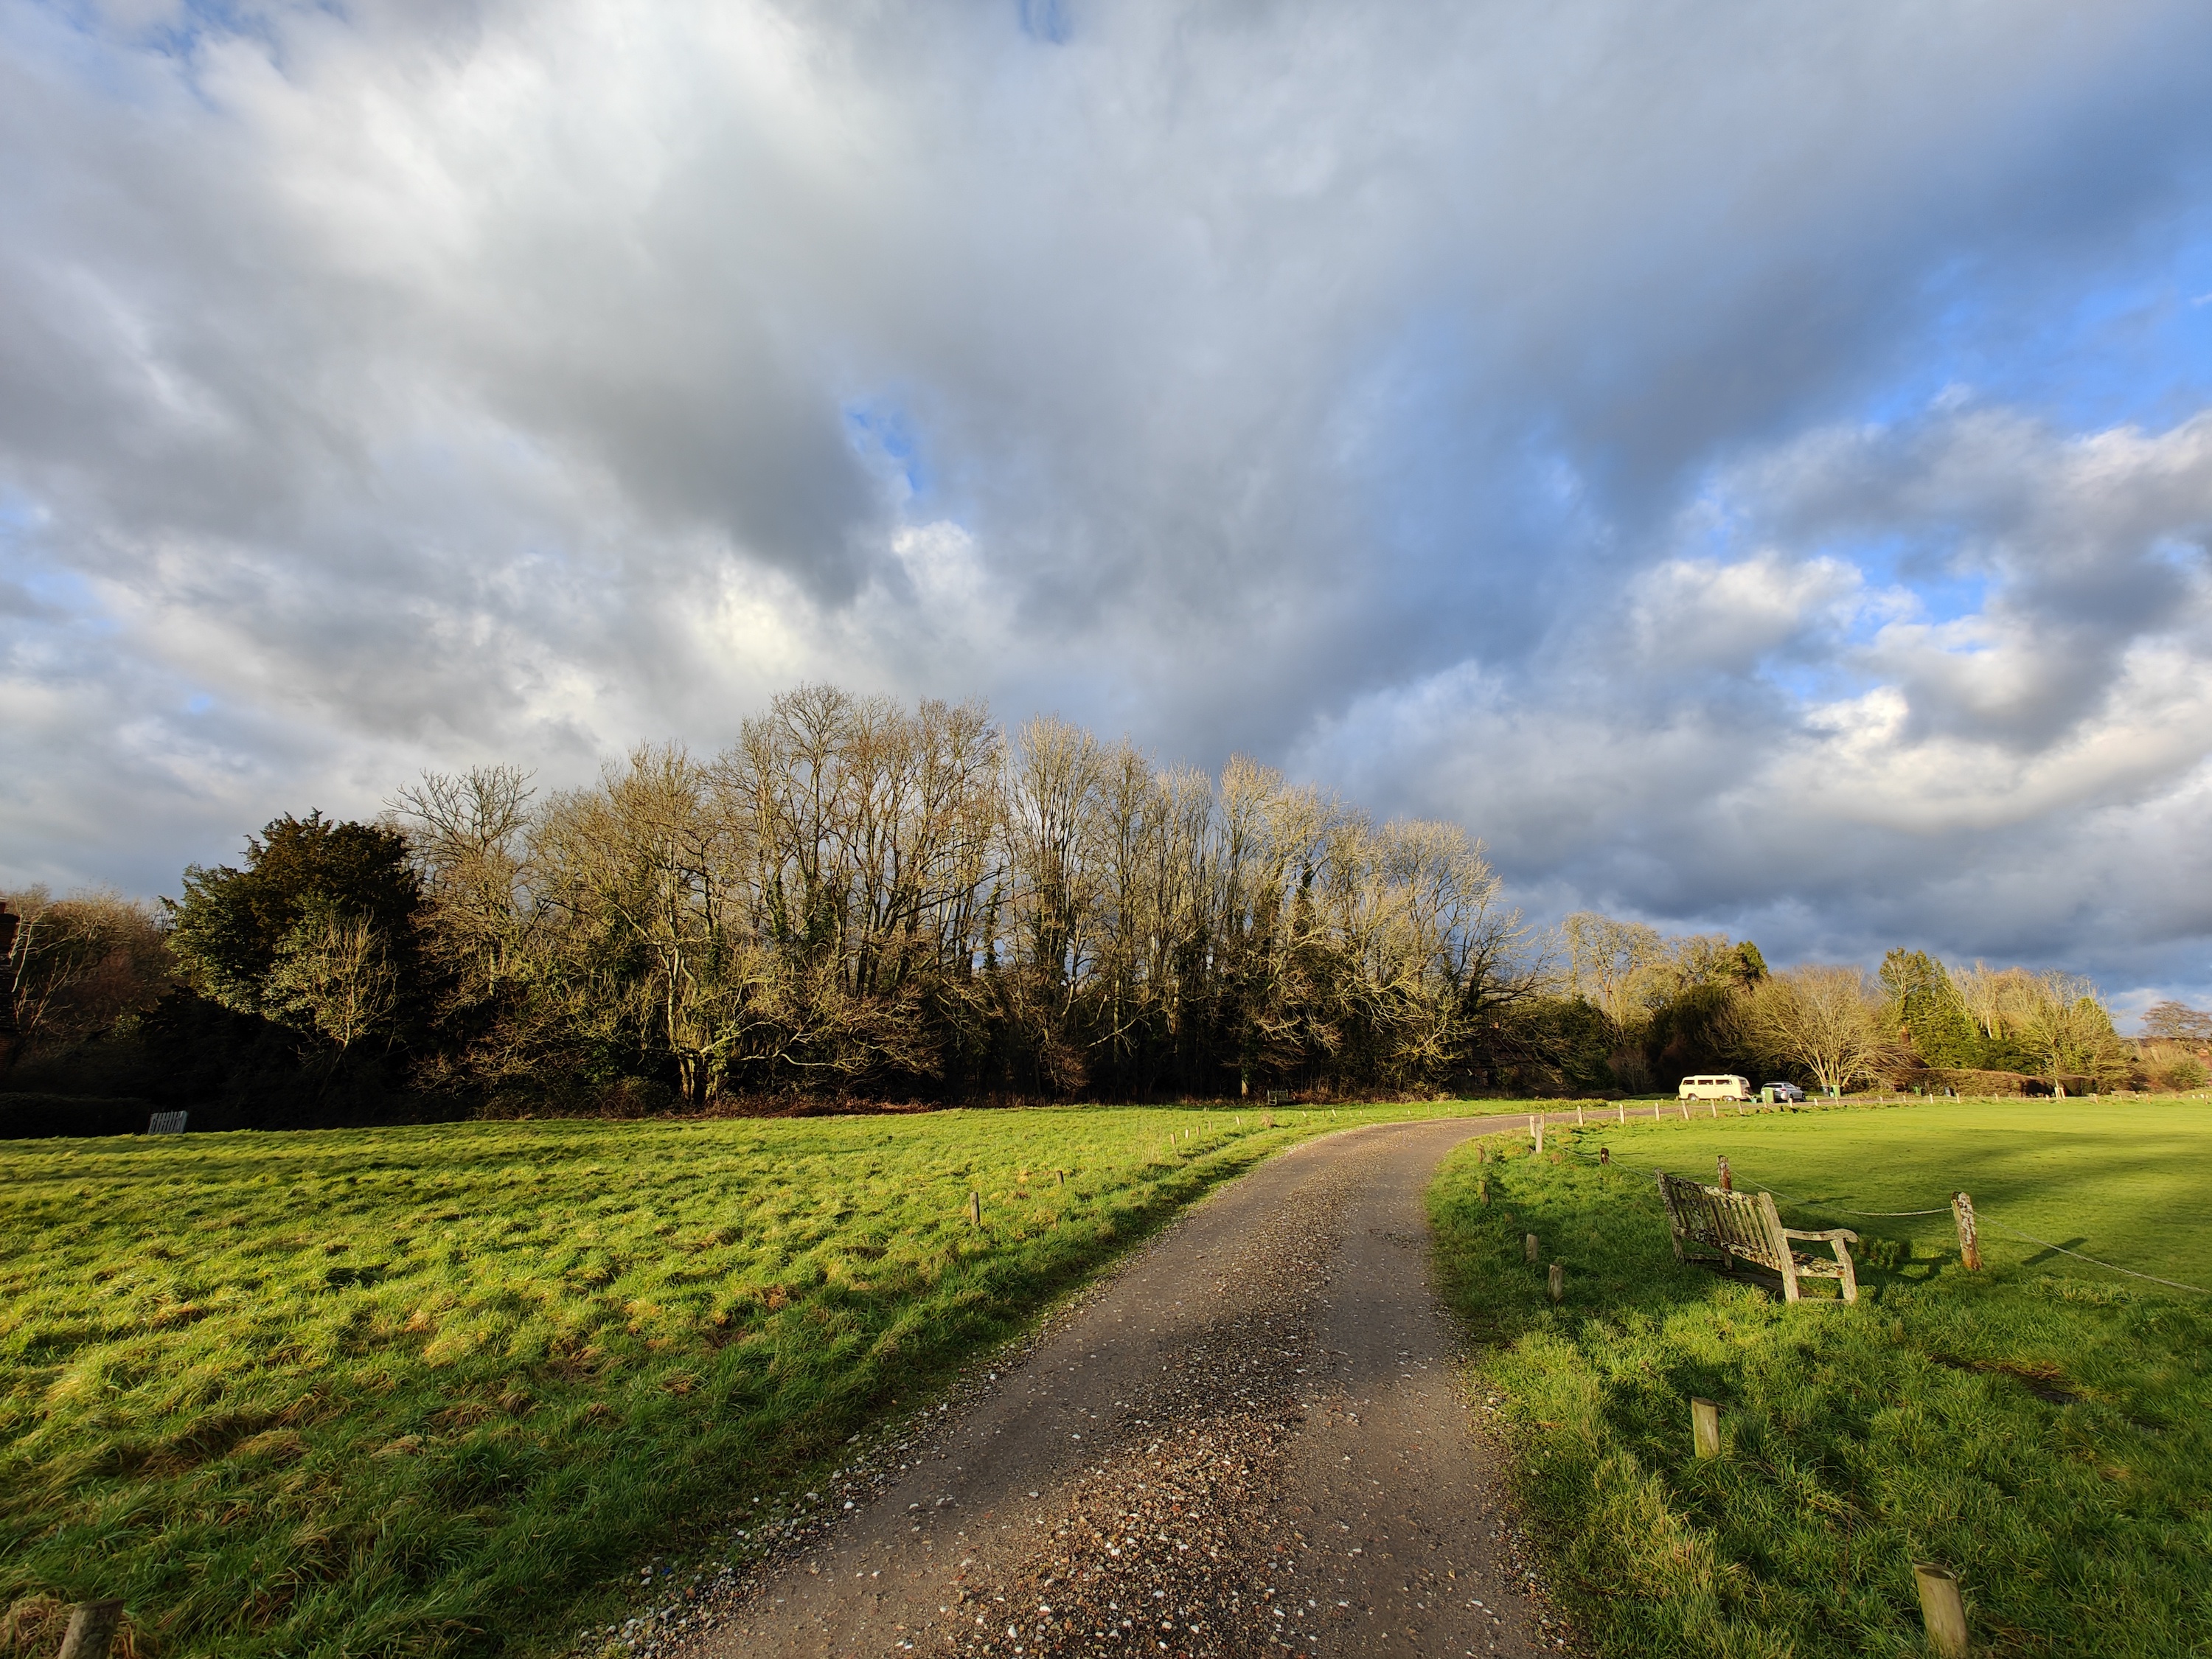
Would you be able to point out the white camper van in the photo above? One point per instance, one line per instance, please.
(1715, 1088)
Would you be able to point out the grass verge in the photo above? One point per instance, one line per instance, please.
(432, 1390)
(2041, 1427)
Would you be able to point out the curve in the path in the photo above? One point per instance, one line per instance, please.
(1250, 1439)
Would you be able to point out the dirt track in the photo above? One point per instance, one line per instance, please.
(1249, 1441)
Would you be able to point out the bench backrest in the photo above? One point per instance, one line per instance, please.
(1744, 1224)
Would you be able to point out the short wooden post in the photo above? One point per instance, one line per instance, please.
(1623, 1114)
(1556, 1282)
(1685, 1111)
(92, 1627)
(974, 1209)
(1061, 1177)
(1540, 1137)
(1605, 1154)
(1482, 1189)
(1940, 1609)
(1579, 1119)
(1705, 1427)
(1727, 1176)
(1969, 1248)
(1717, 1109)
(1529, 1246)
(1655, 1111)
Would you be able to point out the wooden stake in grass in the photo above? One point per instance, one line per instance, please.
(1604, 1155)
(1540, 1137)
(1655, 1111)
(1556, 1283)
(974, 1209)
(1727, 1176)
(1969, 1248)
(91, 1627)
(1623, 1114)
(1705, 1427)
(1579, 1119)
(1060, 1175)
(1529, 1246)
(1941, 1610)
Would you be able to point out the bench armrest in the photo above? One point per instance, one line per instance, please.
(1824, 1236)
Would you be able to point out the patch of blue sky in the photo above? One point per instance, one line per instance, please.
(139, 66)
(2134, 348)
(1048, 21)
(883, 435)
(1942, 590)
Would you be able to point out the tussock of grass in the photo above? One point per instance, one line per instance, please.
(2040, 1427)
(417, 1390)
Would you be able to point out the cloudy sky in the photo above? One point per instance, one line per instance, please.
(1750, 462)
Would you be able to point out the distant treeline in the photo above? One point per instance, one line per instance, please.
(863, 900)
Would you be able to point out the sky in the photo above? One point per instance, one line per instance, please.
(1749, 462)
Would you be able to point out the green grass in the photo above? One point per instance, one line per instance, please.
(2043, 1427)
(420, 1391)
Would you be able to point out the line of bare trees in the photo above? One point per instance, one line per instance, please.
(861, 896)
(858, 897)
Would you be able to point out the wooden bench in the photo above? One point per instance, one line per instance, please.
(1709, 1224)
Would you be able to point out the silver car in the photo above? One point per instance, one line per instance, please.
(1782, 1090)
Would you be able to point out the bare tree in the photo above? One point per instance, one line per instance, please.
(1610, 963)
(1827, 1020)
(2062, 1019)
(335, 975)
(2178, 1020)
(80, 963)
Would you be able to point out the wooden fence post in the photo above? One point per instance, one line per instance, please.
(1540, 1137)
(974, 1209)
(1624, 1113)
(91, 1627)
(1705, 1427)
(1556, 1282)
(1727, 1176)
(1604, 1155)
(1579, 1119)
(1529, 1246)
(1940, 1609)
(1969, 1248)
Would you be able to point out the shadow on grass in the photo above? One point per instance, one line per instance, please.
(1993, 1422)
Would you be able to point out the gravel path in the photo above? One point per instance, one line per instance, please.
(1249, 1440)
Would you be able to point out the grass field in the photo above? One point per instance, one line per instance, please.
(432, 1390)
(2043, 1427)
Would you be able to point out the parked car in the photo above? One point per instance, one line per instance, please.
(1782, 1090)
(1726, 1087)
